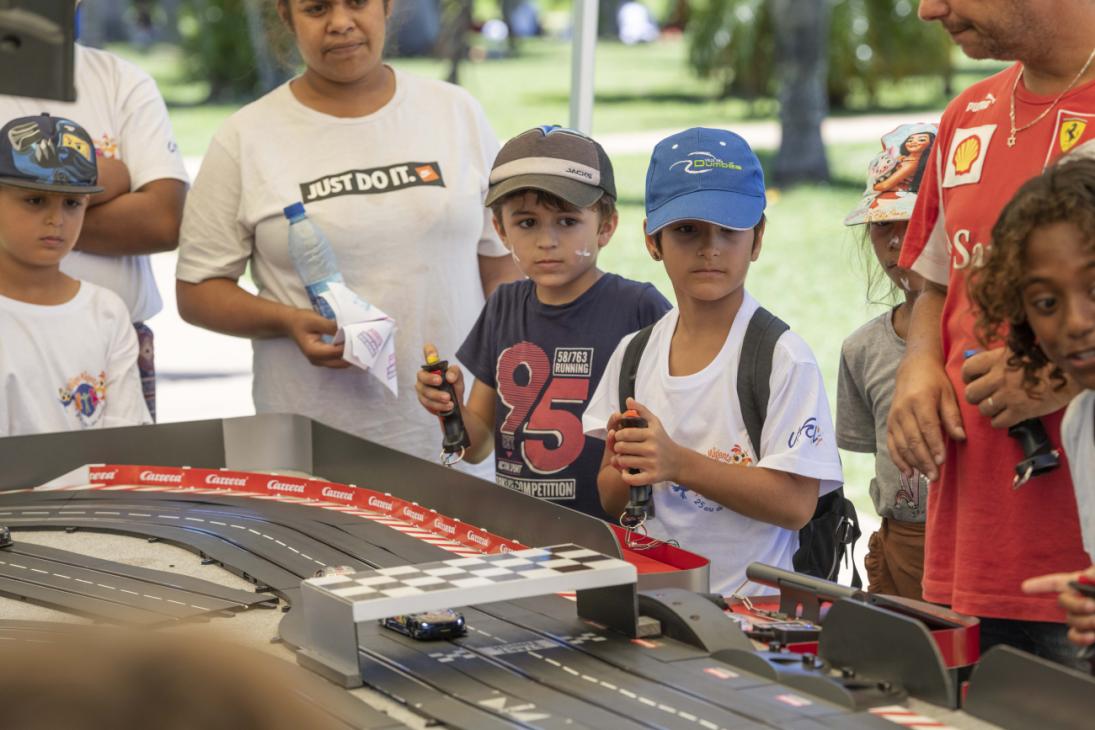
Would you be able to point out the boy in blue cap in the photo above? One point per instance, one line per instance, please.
(714, 492)
(68, 355)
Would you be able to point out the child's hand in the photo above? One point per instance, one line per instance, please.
(430, 395)
(307, 329)
(1080, 608)
(650, 450)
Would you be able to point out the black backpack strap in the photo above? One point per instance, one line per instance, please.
(629, 366)
(755, 371)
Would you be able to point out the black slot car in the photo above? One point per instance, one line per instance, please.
(429, 625)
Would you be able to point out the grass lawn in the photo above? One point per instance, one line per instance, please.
(810, 272)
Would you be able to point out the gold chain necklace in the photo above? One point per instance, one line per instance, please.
(1011, 111)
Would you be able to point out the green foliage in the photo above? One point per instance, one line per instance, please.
(733, 42)
(870, 41)
(218, 48)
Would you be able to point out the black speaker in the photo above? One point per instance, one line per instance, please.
(36, 48)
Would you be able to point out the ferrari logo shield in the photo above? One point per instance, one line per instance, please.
(1072, 130)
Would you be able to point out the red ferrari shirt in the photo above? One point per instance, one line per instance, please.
(984, 537)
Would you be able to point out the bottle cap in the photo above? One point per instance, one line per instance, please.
(631, 413)
(432, 358)
(294, 211)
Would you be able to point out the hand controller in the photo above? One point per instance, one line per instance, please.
(455, 440)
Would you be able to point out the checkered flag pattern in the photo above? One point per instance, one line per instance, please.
(376, 594)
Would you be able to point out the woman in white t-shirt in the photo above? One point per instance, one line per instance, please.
(393, 168)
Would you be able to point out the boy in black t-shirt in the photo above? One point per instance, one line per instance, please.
(540, 345)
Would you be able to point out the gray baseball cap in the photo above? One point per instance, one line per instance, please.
(554, 159)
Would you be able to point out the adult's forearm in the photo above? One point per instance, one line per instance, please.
(222, 306)
(142, 222)
(925, 336)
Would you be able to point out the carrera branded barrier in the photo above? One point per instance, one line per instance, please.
(317, 492)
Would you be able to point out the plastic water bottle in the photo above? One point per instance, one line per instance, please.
(313, 258)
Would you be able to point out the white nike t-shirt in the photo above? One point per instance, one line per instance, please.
(399, 194)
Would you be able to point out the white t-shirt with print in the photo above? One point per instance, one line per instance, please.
(69, 366)
(399, 193)
(701, 411)
(1078, 438)
(121, 108)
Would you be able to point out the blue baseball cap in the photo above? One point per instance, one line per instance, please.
(48, 153)
(707, 175)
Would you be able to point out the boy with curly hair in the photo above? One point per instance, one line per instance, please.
(1038, 282)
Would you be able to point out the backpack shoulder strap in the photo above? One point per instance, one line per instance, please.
(629, 366)
(755, 371)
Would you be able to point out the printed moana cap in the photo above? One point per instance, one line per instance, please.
(554, 159)
(48, 153)
(894, 175)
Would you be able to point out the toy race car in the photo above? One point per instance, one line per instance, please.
(443, 624)
(5, 537)
(329, 570)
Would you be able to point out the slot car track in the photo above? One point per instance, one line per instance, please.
(525, 663)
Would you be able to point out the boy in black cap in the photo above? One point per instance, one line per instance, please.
(540, 345)
(68, 355)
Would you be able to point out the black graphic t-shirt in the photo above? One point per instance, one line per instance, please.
(544, 363)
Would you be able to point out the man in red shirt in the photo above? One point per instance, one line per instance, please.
(951, 408)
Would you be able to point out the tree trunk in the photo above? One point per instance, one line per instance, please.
(455, 36)
(607, 27)
(802, 31)
(103, 21)
(169, 32)
(269, 72)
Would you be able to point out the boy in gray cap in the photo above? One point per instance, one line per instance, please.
(540, 345)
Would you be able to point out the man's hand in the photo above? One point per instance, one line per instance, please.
(650, 450)
(997, 390)
(428, 385)
(307, 329)
(924, 404)
(114, 176)
(1080, 608)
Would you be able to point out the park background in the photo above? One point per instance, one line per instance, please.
(736, 64)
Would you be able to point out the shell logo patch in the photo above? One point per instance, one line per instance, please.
(965, 160)
(966, 154)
